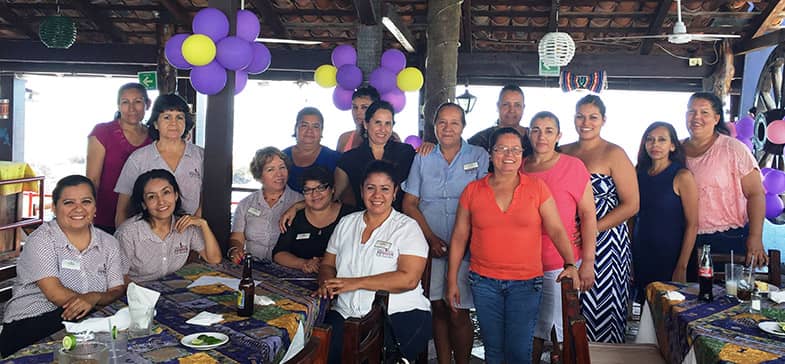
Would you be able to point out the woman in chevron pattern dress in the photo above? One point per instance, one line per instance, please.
(615, 188)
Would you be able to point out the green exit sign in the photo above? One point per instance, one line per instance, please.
(548, 71)
(149, 80)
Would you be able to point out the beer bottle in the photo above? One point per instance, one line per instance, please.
(706, 275)
(246, 291)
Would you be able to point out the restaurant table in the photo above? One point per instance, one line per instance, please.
(263, 338)
(688, 331)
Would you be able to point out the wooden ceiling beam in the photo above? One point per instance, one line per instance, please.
(101, 21)
(398, 28)
(553, 16)
(767, 40)
(16, 21)
(270, 16)
(365, 12)
(467, 35)
(655, 27)
(180, 15)
(760, 25)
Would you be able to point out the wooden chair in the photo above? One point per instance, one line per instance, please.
(363, 338)
(772, 277)
(316, 349)
(7, 276)
(576, 346)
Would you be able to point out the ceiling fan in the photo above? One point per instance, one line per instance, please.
(679, 35)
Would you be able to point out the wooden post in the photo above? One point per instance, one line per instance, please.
(167, 75)
(219, 131)
(441, 65)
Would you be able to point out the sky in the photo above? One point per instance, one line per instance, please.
(61, 112)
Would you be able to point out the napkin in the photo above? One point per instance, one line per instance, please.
(205, 318)
(778, 297)
(674, 296)
(141, 300)
(121, 319)
(262, 300)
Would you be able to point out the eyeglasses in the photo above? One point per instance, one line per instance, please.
(503, 149)
(320, 188)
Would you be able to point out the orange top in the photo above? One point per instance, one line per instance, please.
(506, 245)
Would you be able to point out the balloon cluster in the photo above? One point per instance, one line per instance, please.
(744, 130)
(774, 184)
(391, 79)
(773, 179)
(210, 51)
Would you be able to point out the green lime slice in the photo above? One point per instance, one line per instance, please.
(114, 332)
(69, 342)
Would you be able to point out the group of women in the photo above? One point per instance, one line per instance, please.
(501, 228)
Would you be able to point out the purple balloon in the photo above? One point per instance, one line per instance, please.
(247, 25)
(212, 23)
(747, 142)
(766, 170)
(342, 98)
(343, 55)
(383, 79)
(234, 53)
(413, 140)
(349, 76)
(774, 205)
(395, 97)
(240, 79)
(745, 127)
(774, 182)
(174, 54)
(393, 60)
(261, 59)
(209, 79)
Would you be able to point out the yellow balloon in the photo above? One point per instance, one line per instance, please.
(198, 49)
(325, 75)
(410, 79)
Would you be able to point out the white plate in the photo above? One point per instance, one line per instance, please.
(771, 327)
(187, 340)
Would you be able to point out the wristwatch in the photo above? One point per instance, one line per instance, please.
(567, 265)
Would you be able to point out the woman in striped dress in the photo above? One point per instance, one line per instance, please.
(615, 188)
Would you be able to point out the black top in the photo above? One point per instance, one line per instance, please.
(305, 240)
(354, 162)
(483, 138)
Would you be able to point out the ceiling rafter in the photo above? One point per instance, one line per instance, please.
(656, 25)
(366, 13)
(766, 40)
(466, 27)
(101, 21)
(760, 25)
(180, 14)
(270, 16)
(12, 18)
(553, 16)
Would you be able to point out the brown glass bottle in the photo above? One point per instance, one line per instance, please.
(246, 290)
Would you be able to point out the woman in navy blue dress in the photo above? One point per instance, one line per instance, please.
(667, 221)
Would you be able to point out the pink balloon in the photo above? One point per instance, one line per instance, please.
(732, 128)
(413, 140)
(240, 80)
(394, 60)
(212, 23)
(261, 59)
(247, 25)
(395, 97)
(349, 76)
(209, 79)
(774, 205)
(174, 54)
(234, 53)
(383, 80)
(745, 127)
(775, 132)
(343, 55)
(342, 98)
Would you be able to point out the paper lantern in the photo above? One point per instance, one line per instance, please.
(556, 49)
(57, 31)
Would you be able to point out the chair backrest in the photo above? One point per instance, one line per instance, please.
(772, 277)
(576, 343)
(363, 338)
(7, 277)
(316, 349)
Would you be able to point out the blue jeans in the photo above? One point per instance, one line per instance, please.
(507, 312)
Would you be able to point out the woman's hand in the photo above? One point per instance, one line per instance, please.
(188, 220)
(755, 250)
(438, 247)
(336, 286)
(236, 255)
(79, 306)
(311, 265)
(286, 219)
(586, 273)
(571, 272)
(453, 296)
(679, 274)
(576, 239)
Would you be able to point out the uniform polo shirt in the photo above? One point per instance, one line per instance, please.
(149, 257)
(48, 253)
(396, 236)
(259, 222)
(188, 173)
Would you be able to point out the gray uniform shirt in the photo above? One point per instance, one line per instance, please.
(259, 222)
(188, 173)
(150, 257)
(48, 253)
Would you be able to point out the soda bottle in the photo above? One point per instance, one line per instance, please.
(706, 275)
(246, 290)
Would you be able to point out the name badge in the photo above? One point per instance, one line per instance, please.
(254, 211)
(180, 250)
(471, 166)
(303, 236)
(71, 264)
(383, 244)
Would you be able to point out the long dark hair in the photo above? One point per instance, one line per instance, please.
(137, 205)
(644, 160)
(716, 105)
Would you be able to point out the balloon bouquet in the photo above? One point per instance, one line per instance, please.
(773, 179)
(210, 51)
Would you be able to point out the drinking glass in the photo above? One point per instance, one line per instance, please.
(732, 274)
(141, 320)
(118, 346)
(745, 284)
(88, 352)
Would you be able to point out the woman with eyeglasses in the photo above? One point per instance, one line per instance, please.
(505, 213)
(309, 151)
(302, 245)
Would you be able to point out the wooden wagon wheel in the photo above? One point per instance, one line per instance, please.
(770, 106)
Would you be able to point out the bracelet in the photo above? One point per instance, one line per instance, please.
(567, 265)
(229, 252)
